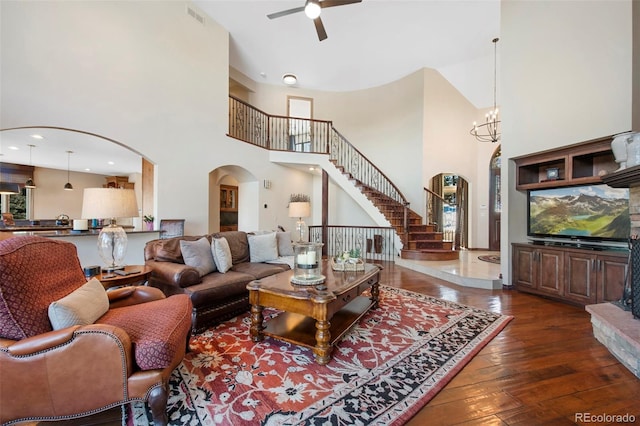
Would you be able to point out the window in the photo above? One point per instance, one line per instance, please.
(19, 204)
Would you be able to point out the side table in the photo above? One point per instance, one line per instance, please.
(135, 275)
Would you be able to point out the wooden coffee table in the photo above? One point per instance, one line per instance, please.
(314, 316)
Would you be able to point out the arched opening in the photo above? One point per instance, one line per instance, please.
(495, 203)
(449, 206)
(95, 161)
(233, 195)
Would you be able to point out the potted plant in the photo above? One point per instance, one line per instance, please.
(350, 260)
(148, 221)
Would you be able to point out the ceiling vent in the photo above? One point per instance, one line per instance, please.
(195, 15)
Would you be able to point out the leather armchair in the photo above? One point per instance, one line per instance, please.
(127, 355)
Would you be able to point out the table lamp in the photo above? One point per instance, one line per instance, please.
(300, 209)
(110, 203)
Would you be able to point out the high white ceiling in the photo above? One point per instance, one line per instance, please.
(369, 44)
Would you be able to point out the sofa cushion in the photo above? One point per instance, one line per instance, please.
(81, 307)
(156, 329)
(217, 287)
(238, 244)
(198, 254)
(169, 250)
(221, 254)
(285, 247)
(25, 300)
(263, 247)
(259, 270)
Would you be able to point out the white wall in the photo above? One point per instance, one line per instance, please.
(566, 78)
(51, 200)
(143, 73)
(413, 129)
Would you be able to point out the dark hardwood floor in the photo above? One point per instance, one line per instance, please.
(544, 368)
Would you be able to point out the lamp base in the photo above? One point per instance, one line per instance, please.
(112, 246)
(301, 231)
(112, 268)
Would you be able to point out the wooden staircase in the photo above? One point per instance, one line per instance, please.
(422, 242)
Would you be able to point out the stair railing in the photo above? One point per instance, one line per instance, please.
(353, 162)
(281, 133)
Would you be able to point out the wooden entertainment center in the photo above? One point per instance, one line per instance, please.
(568, 272)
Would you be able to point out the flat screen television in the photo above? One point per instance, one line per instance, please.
(587, 213)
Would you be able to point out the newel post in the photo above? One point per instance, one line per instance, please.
(405, 236)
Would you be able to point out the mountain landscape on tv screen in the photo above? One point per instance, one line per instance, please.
(582, 212)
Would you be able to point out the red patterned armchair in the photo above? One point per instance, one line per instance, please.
(50, 370)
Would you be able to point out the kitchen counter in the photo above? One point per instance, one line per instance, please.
(55, 231)
(86, 241)
(35, 228)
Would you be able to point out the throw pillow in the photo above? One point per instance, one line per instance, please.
(221, 254)
(82, 306)
(285, 248)
(263, 248)
(198, 254)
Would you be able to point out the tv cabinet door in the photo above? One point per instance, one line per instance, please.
(538, 270)
(551, 277)
(612, 272)
(581, 277)
(525, 267)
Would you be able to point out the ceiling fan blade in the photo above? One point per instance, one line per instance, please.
(285, 12)
(333, 3)
(322, 34)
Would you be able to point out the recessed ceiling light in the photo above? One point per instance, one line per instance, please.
(87, 170)
(289, 79)
(37, 136)
(111, 163)
(15, 148)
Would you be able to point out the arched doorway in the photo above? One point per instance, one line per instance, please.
(495, 202)
(448, 208)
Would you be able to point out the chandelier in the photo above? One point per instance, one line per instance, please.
(489, 132)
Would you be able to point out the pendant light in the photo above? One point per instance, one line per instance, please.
(30, 183)
(68, 186)
(489, 131)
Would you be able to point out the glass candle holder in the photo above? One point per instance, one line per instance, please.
(306, 265)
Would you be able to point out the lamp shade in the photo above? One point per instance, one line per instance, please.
(300, 209)
(103, 203)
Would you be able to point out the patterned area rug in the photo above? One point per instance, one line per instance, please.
(385, 369)
(490, 258)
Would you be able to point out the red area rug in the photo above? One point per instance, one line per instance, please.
(388, 367)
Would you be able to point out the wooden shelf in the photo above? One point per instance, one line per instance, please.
(578, 164)
(624, 178)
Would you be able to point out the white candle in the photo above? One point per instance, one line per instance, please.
(311, 257)
(302, 259)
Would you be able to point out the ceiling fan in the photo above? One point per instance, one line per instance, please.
(312, 9)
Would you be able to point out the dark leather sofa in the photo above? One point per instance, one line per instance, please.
(216, 296)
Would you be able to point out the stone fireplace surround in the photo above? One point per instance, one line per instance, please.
(613, 326)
